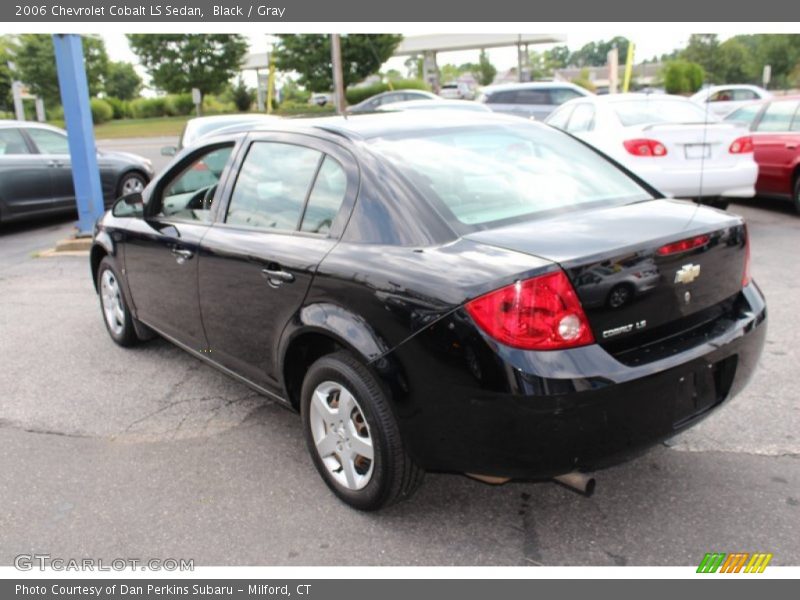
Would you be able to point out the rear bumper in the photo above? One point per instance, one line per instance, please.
(735, 182)
(541, 414)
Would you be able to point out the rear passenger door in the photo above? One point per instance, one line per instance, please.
(283, 212)
(776, 144)
(24, 176)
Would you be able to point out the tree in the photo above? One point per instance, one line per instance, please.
(6, 76)
(36, 65)
(583, 80)
(556, 58)
(122, 81)
(486, 70)
(310, 56)
(242, 95)
(179, 62)
(595, 54)
(682, 77)
(703, 49)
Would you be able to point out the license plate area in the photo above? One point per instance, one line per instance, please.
(697, 151)
(702, 389)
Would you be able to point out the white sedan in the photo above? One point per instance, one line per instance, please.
(723, 99)
(669, 141)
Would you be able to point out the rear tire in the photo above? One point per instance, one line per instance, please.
(116, 316)
(353, 436)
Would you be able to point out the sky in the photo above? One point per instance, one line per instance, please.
(647, 46)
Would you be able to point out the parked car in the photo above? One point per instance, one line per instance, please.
(320, 98)
(669, 141)
(36, 173)
(413, 288)
(200, 126)
(722, 99)
(458, 105)
(456, 91)
(537, 99)
(372, 103)
(775, 128)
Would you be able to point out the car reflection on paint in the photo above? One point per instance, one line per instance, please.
(617, 284)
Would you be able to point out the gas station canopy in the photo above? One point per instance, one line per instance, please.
(449, 42)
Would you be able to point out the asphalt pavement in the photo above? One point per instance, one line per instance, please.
(150, 453)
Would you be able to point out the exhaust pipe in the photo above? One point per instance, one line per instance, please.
(582, 483)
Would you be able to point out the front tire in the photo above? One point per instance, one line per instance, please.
(116, 316)
(131, 182)
(352, 434)
(796, 194)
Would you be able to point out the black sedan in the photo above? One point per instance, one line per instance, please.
(413, 285)
(36, 173)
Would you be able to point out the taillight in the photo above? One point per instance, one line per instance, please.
(542, 313)
(742, 145)
(683, 245)
(645, 147)
(746, 272)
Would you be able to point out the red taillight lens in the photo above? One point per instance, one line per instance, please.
(542, 313)
(746, 274)
(683, 245)
(742, 145)
(645, 147)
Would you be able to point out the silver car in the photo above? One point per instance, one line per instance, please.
(536, 99)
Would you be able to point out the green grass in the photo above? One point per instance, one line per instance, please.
(172, 126)
(134, 128)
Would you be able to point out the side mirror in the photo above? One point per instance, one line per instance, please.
(169, 150)
(131, 205)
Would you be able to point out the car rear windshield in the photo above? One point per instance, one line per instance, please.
(487, 175)
(644, 112)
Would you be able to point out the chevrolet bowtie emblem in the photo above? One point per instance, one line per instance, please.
(687, 273)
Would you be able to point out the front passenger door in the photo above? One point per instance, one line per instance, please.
(161, 250)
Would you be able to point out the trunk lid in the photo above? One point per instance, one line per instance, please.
(627, 288)
(692, 144)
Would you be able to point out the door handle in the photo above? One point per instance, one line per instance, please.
(791, 145)
(277, 277)
(182, 254)
(54, 163)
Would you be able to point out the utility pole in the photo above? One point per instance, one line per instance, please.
(338, 78)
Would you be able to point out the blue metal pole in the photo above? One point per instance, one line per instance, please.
(80, 134)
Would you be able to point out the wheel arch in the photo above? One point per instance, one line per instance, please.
(322, 329)
(103, 246)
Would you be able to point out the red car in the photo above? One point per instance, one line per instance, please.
(775, 124)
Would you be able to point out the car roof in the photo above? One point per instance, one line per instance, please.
(635, 96)
(437, 104)
(533, 85)
(371, 125)
(6, 123)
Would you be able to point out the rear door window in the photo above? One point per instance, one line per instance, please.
(49, 142)
(326, 198)
(12, 142)
(582, 119)
(272, 187)
(536, 97)
(560, 95)
(778, 116)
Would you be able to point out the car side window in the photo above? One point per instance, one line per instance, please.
(272, 186)
(582, 119)
(49, 142)
(560, 95)
(12, 142)
(744, 95)
(190, 194)
(532, 97)
(560, 117)
(721, 96)
(505, 97)
(326, 197)
(778, 116)
(745, 115)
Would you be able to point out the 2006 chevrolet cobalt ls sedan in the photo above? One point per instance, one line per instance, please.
(467, 292)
